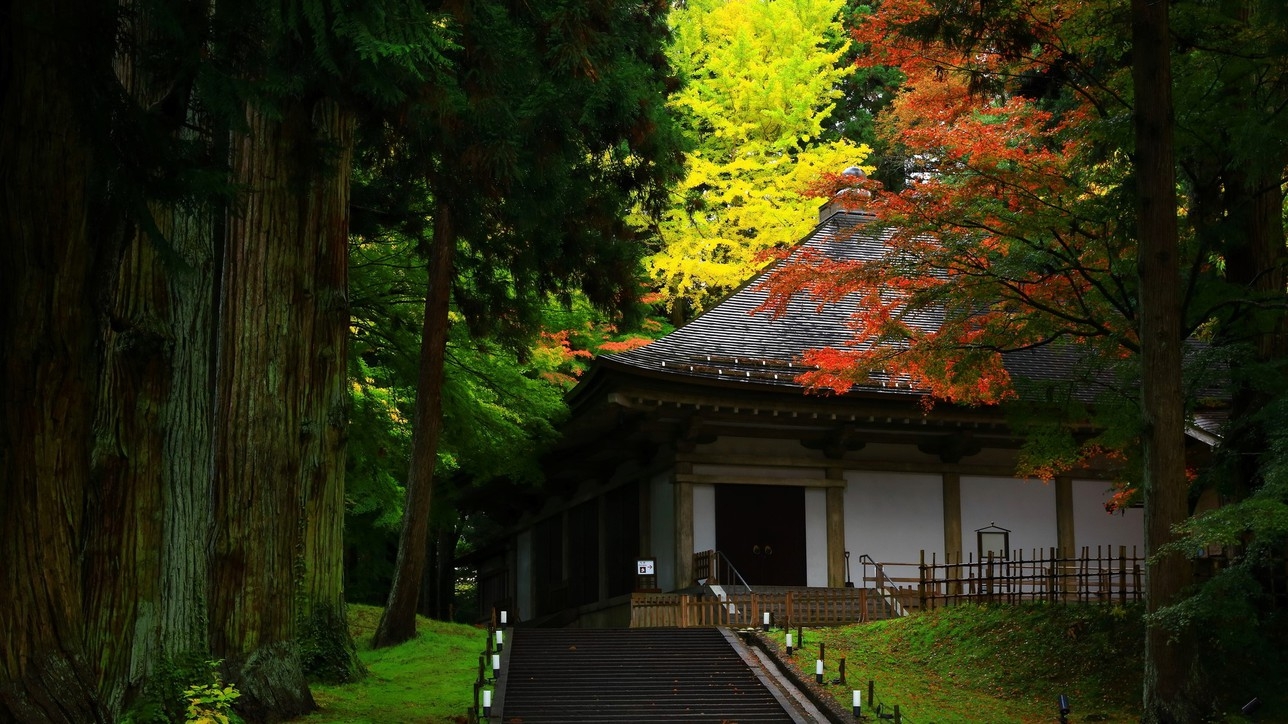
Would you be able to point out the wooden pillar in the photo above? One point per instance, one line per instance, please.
(952, 492)
(836, 530)
(952, 484)
(1066, 540)
(683, 528)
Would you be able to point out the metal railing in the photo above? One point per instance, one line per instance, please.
(714, 568)
(885, 586)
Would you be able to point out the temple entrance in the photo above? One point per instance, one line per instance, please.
(761, 530)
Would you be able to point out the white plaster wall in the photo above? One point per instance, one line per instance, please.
(815, 537)
(1092, 526)
(523, 576)
(892, 517)
(704, 518)
(662, 528)
(1024, 507)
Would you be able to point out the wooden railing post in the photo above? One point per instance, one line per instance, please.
(1122, 575)
(989, 583)
(921, 581)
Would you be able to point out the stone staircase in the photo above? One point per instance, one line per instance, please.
(639, 675)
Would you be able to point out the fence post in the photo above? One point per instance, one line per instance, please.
(921, 581)
(1122, 575)
(989, 578)
(898, 717)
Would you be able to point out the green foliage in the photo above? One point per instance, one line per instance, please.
(760, 82)
(188, 690)
(211, 702)
(1241, 548)
(502, 397)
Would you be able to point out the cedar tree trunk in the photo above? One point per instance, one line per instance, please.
(327, 649)
(398, 622)
(277, 423)
(1171, 695)
(48, 381)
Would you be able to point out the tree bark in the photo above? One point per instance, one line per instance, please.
(327, 648)
(48, 378)
(398, 622)
(1171, 693)
(149, 515)
(278, 425)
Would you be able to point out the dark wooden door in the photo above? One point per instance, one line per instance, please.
(761, 530)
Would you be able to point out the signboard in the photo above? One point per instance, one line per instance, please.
(646, 574)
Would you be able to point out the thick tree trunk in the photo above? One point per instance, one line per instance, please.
(183, 617)
(398, 622)
(277, 421)
(125, 522)
(1172, 695)
(149, 515)
(326, 647)
(48, 381)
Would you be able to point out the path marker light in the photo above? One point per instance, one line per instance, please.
(766, 622)
(496, 666)
(818, 671)
(789, 643)
(500, 639)
(1063, 702)
(487, 702)
(858, 704)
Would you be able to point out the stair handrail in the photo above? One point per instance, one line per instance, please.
(725, 565)
(885, 585)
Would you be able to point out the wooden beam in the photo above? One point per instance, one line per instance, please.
(880, 466)
(757, 480)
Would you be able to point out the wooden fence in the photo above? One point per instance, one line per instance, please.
(1104, 575)
(805, 607)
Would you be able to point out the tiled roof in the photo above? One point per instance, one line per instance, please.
(734, 342)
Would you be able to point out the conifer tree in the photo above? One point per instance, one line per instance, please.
(535, 151)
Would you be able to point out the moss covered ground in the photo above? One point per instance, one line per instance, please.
(428, 680)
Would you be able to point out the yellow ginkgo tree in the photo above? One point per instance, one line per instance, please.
(761, 78)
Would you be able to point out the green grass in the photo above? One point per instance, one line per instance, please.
(428, 679)
(992, 664)
(999, 664)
